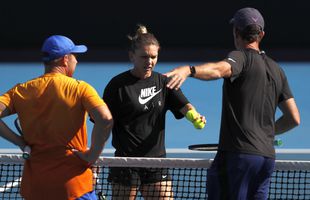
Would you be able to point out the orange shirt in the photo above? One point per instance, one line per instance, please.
(52, 112)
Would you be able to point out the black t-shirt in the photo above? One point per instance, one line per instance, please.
(250, 99)
(139, 107)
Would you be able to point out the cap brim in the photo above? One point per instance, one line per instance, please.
(79, 49)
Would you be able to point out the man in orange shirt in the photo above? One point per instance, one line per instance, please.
(52, 110)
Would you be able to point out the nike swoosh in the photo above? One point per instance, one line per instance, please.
(231, 60)
(144, 101)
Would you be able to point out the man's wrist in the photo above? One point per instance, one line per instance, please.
(192, 70)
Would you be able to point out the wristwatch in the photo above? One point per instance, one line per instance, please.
(192, 70)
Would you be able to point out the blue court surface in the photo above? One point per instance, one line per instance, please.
(204, 95)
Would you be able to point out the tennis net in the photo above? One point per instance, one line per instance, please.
(290, 180)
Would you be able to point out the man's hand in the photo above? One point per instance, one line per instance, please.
(177, 77)
(86, 156)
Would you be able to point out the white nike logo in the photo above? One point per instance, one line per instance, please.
(164, 176)
(144, 101)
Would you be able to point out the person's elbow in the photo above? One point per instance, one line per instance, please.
(295, 116)
(106, 121)
(109, 122)
(295, 120)
(290, 112)
(102, 117)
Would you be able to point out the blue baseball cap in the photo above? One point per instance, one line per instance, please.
(247, 16)
(57, 46)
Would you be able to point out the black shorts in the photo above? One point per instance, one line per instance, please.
(135, 176)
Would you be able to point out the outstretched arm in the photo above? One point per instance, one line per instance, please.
(207, 71)
(103, 123)
(6, 132)
(290, 117)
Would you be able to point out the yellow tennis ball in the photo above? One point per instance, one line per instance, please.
(191, 115)
(198, 124)
(194, 117)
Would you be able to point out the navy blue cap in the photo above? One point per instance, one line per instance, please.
(247, 16)
(57, 46)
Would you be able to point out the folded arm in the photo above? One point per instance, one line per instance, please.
(103, 123)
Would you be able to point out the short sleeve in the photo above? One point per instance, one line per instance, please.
(237, 61)
(8, 99)
(176, 101)
(90, 97)
(286, 92)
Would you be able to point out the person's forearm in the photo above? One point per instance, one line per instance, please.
(186, 108)
(283, 125)
(212, 71)
(100, 134)
(9, 135)
(207, 72)
(290, 117)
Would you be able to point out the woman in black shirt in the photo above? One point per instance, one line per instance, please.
(139, 100)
